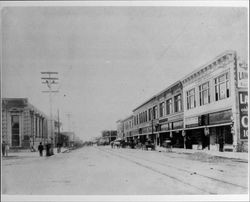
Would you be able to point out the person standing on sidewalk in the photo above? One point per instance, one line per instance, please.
(7, 149)
(40, 149)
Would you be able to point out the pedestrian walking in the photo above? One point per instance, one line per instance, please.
(40, 149)
(3, 148)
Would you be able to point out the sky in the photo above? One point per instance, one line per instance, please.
(110, 59)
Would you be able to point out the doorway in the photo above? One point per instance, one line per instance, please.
(15, 131)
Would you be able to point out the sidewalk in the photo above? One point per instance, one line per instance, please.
(27, 153)
(233, 155)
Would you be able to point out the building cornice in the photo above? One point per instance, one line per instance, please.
(219, 62)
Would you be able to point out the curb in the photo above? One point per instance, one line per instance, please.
(222, 155)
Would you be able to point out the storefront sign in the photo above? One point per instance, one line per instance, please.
(177, 124)
(165, 127)
(242, 75)
(191, 122)
(220, 117)
(243, 105)
(163, 120)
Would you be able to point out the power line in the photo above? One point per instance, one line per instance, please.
(63, 77)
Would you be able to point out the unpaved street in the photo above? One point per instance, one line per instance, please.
(102, 170)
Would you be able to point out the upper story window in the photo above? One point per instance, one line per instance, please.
(143, 117)
(150, 114)
(155, 114)
(191, 99)
(162, 109)
(204, 93)
(169, 106)
(222, 89)
(177, 103)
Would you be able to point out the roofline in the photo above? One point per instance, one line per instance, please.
(128, 117)
(209, 63)
(29, 105)
(171, 86)
(181, 80)
(155, 96)
(148, 100)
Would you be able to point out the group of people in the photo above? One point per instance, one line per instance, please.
(49, 149)
(5, 148)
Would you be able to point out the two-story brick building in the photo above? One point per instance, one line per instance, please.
(170, 103)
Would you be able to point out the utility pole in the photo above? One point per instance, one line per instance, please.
(58, 128)
(69, 129)
(69, 125)
(50, 81)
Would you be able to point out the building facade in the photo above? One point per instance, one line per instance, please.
(128, 126)
(23, 125)
(146, 121)
(171, 115)
(207, 109)
(161, 117)
(211, 105)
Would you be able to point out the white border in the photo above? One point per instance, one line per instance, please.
(211, 3)
(62, 198)
(110, 198)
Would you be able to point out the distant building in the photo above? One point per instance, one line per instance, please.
(68, 138)
(120, 129)
(23, 125)
(128, 125)
(109, 135)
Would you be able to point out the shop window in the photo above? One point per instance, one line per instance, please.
(204, 93)
(191, 99)
(162, 107)
(222, 89)
(177, 103)
(169, 106)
